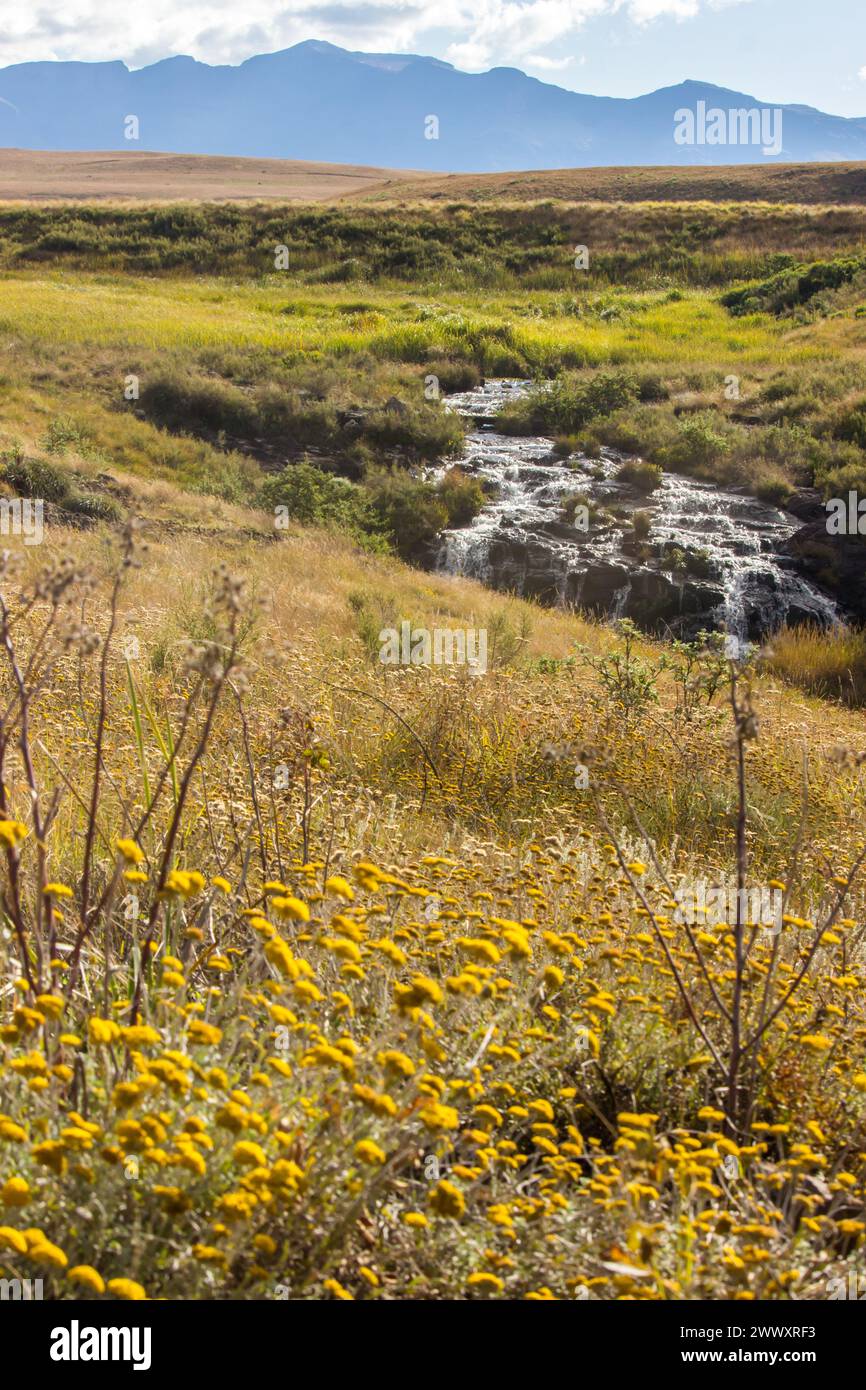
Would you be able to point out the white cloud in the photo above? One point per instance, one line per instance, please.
(643, 11)
(538, 60)
(862, 74)
(472, 33)
(505, 31)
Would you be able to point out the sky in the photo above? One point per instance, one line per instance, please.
(778, 51)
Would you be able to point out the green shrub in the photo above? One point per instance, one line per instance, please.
(94, 505)
(453, 375)
(315, 498)
(63, 434)
(296, 418)
(640, 474)
(423, 432)
(793, 286)
(569, 403)
(410, 512)
(194, 403)
(699, 443)
(774, 489)
(845, 478)
(635, 429)
(851, 425)
(462, 497)
(651, 387)
(35, 477)
(300, 421)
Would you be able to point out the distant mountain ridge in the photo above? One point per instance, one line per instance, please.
(319, 102)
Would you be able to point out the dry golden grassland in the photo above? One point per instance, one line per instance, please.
(121, 176)
(48, 176)
(321, 975)
(751, 183)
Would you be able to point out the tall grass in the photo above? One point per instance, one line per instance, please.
(830, 664)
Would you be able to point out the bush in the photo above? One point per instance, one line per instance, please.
(408, 511)
(315, 498)
(63, 434)
(37, 478)
(792, 287)
(851, 425)
(774, 489)
(636, 429)
(423, 432)
(699, 443)
(845, 477)
(195, 403)
(569, 404)
(650, 388)
(454, 376)
(640, 474)
(34, 477)
(299, 421)
(93, 505)
(462, 497)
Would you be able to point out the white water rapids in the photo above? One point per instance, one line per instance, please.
(734, 579)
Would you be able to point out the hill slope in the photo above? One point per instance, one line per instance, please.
(744, 183)
(43, 176)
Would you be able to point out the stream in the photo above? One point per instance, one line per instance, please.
(710, 559)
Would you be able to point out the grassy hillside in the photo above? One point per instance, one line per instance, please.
(117, 176)
(324, 977)
(43, 176)
(750, 183)
(385, 1006)
(240, 367)
(460, 245)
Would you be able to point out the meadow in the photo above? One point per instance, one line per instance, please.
(322, 978)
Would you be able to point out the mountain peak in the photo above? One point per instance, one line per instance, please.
(317, 101)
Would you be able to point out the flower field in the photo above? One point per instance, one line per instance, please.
(321, 981)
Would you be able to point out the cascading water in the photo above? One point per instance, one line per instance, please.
(710, 558)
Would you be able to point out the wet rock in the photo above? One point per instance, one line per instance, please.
(806, 504)
(559, 530)
(525, 567)
(657, 600)
(836, 563)
(596, 587)
(796, 616)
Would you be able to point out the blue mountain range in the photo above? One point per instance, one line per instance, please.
(319, 102)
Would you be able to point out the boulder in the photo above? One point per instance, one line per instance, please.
(836, 564)
(595, 587)
(806, 504)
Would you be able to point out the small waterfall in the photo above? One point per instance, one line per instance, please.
(619, 600)
(711, 558)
